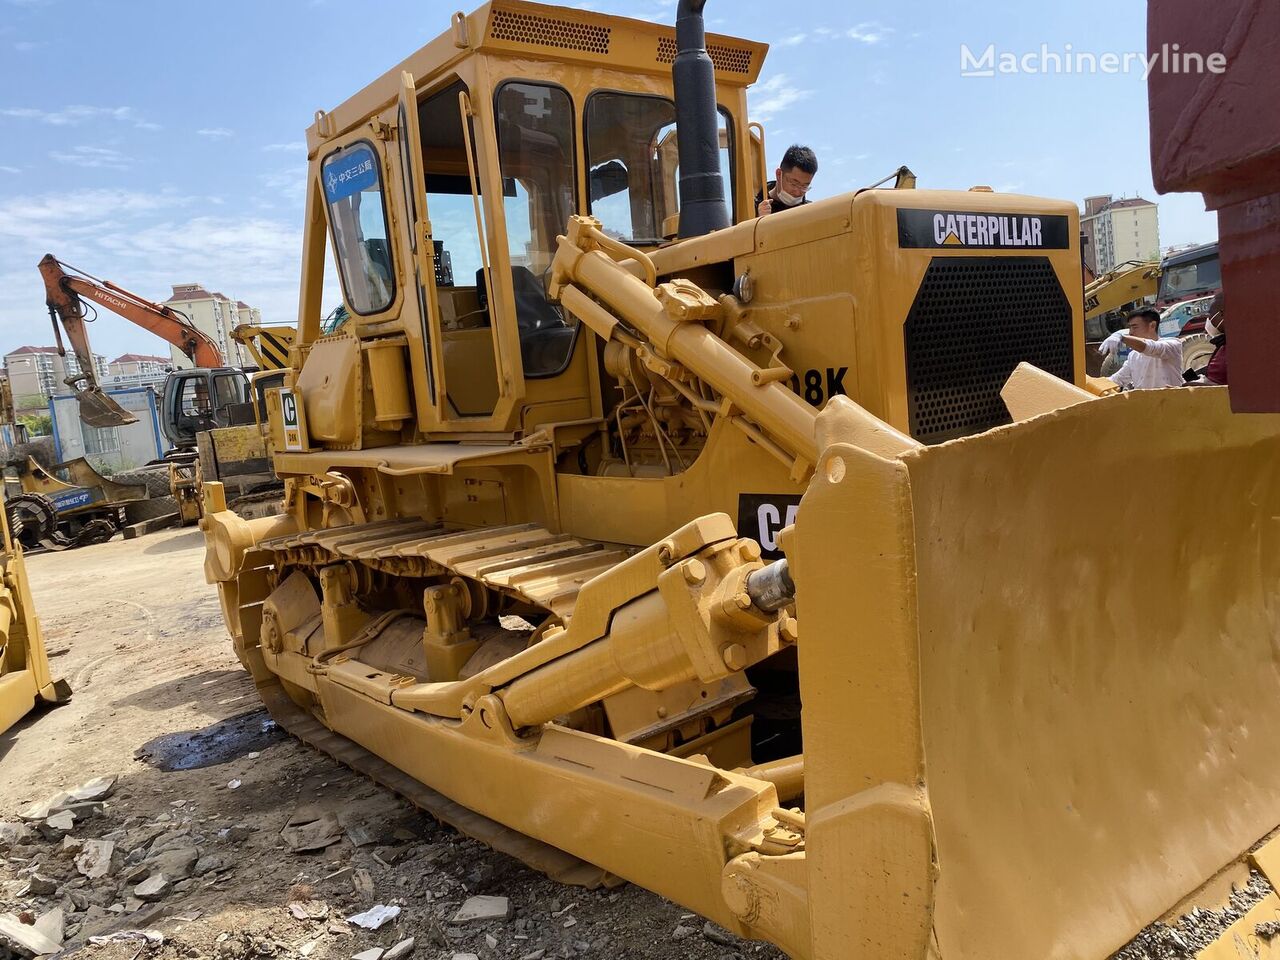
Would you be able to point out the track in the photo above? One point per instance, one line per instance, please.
(555, 863)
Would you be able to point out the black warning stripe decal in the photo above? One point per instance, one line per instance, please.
(273, 351)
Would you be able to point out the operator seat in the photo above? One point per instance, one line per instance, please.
(545, 339)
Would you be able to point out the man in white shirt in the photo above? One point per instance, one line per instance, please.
(1154, 361)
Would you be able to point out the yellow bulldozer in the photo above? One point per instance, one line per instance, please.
(753, 560)
(25, 677)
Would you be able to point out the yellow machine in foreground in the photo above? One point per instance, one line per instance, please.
(25, 679)
(758, 567)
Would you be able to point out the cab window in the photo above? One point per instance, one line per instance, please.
(353, 189)
(633, 164)
(535, 154)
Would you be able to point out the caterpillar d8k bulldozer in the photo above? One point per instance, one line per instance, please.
(753, 560)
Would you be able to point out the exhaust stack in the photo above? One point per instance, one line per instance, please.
(702, 205)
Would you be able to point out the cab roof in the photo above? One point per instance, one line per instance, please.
(517, 28)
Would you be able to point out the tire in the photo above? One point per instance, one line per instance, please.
(138, 510)
(1196, 351)
(160, 501)
(155, 479)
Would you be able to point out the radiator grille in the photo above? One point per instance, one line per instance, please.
(726, 59)
(975, 319)
(549, 32)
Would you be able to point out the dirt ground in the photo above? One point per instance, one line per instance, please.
(206, 783)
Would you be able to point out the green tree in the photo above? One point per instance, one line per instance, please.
(37, 424)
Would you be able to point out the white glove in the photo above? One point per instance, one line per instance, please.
(1112, 343)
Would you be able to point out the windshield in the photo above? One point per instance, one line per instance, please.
(634, 164)
(353, 189)
(1188, 278)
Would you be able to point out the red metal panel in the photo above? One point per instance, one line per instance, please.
(1219, 134)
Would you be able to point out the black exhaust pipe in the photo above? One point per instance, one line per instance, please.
(702, 206)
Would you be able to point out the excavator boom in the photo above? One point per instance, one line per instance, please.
(65, 295)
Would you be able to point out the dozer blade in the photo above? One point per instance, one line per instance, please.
(99, 410)
(1040, 670)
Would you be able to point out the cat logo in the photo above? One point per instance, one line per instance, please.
(955, 229)
(291, 420)
(762, 516)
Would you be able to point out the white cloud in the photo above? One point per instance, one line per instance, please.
(145, 241)
(868, 33)
(4, 169)
(289, 184)
(26, 46)
(77, 114)
(794, 39)
(93, 158)
(215, 133)
(292, 147)
(774, 95)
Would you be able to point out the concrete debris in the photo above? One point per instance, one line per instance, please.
(465, 956)
(309, 910)
(308, 948)
(153, 888)
(99, 788)
(360, 835)
(719, 935)
(373, 953)
(14, 832)
(57, 825)
(24, 940)
(95, 859)
(339, 876)
(237, 834)
(176, 863)
(491, 940)
(233, 784)
(362, 881)
(681, 932)
(52, 923)
(375, 917)
(211, 863)
(482, 908)
(129, 936)
(39, 886)
(86, 798)
(534, 954)
(400, 950)
(311, 829)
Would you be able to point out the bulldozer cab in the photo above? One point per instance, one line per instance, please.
(443, 188)
(197, 400)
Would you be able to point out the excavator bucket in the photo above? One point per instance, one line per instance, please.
(97, 409)
(1040, 671)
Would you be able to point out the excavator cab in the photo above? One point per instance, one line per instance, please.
(197, 400)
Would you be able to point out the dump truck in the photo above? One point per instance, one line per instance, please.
(25, 676)
(752, 560)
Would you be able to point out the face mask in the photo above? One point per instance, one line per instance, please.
(1210, 329)
(786, 199)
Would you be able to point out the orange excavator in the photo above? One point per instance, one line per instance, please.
(212, 395)
(208, 414)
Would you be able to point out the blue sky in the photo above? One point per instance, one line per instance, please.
(154, 143)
